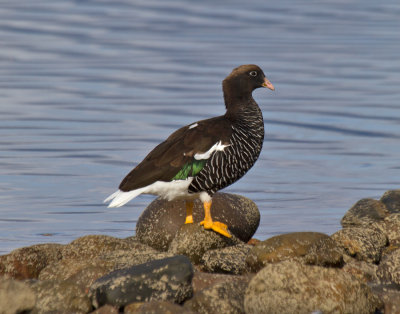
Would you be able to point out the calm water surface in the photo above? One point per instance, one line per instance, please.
(87, 88)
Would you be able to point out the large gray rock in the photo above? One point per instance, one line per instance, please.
(389, 268)
(227, 297)
(168, 279)
(365, 212)
(231, 260)
(391, 199)
(28, 262)
(292, 287)
(160, 221)
(193, 241)
(324, 252)
(282, 247)
(15, 297)
(362, 243)
(59, 297)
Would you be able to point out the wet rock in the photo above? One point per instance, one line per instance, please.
(282, 247)
(227, 260)
(168, 279)
(193, 241)
(27, 262)
(389, 268)
(160, 221)
(226, 297)
(291, 287)
(15, 297)
(365, 212)
(391, 199)
(59, 297)
(202, 280)
(156, 307)
(325, 252)
(362, 243)
(363, 271)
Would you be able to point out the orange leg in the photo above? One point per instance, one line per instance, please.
(189, 212)
(208, 223)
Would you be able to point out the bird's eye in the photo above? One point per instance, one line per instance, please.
(253, 73)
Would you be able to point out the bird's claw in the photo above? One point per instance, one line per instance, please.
(217, 226)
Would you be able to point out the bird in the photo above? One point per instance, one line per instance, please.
(206, 156)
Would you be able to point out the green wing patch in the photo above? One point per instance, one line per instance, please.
(190, 169)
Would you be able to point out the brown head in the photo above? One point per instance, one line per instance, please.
(239, 85)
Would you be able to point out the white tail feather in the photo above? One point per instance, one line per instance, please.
(120, 198)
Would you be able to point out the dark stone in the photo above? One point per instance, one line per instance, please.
(15, 296)
(292, 287)
(193, 241)
(226, 297)
(325, 252)
(230, 260)
(28, 262)
(389, 268)
(365, 212)
(282, 247)
(362, 243)
(160, 221)
(391, 199)
(60, 297)
(167, 279)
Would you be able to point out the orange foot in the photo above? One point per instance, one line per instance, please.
(217, 226)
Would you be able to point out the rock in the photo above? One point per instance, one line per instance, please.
(291, 287)
(325, 252)
(282, 247)
(391, 199)
(193, 241)
(27, 262)
(91, 246)
(363, 271)
(68, 268)
(365, 212)
(226, 297)
(59, 297)
(389, 268)
(390, 295)
(203, 280)
(167, 279)
(231, 260)
(156, 307)
(391, 227)
(160, 221)
(106, 309)
(15, 297)
(126, 258)
(362, 243)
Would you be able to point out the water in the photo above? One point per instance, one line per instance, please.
(87, 88)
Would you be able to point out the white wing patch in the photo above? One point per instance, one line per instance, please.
(218, 146)
(193, 125)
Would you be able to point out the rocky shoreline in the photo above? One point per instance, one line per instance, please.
(170, 268)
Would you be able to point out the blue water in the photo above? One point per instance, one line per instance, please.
(88, 88)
